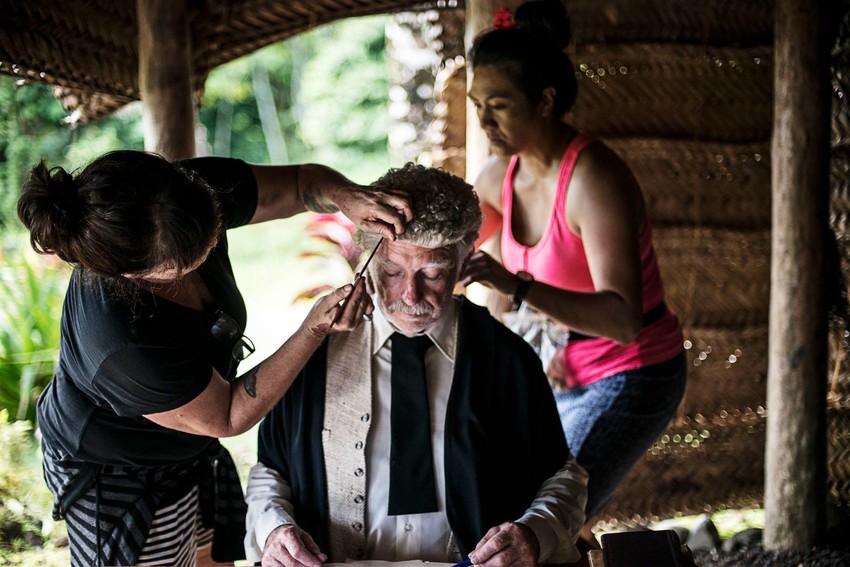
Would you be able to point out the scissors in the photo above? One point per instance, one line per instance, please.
(356, 281)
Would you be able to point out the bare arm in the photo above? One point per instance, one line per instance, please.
(605, 208)
(284, 191)
(488, 186)
(224, 409)
(495, 301)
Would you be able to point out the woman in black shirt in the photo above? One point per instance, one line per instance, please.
(151, 338)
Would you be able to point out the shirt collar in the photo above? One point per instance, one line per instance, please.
(443, 333)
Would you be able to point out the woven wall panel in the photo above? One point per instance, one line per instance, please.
(681, 21)
(714, 277)
(449, 126)
(838, 449)
(838, 398)
(694, 469)
(695, 465)
(840, 192)
(727, 371)
(708, 184)
(674, 91)
(838, 414)
(451, 105)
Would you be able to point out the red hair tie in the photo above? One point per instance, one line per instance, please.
(503, 18)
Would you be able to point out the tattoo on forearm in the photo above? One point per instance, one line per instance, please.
(313, 201)
(249, 382)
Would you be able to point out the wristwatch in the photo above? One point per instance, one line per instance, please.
(524, 281)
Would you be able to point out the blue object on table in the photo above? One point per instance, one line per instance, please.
(465, 563)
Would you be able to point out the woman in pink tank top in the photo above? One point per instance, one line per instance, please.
(575, 244)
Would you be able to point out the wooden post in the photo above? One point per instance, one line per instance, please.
(165, 72)
(795, 458)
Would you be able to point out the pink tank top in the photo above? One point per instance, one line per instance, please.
(558, 259)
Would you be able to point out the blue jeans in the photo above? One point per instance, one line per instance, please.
(611, 423)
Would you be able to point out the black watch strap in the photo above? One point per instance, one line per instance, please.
(524, 281)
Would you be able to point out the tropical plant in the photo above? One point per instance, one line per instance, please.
(31, 129)
(31, 295)
(345, 98)
(25, 502)
(330, 240)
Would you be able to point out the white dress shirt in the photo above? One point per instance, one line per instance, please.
(555, 516)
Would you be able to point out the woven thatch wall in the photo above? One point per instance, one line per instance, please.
(683, 91)
(838, 398)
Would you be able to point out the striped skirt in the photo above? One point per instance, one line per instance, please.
(176, 534)
(119, 515)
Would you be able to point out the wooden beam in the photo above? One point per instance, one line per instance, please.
(165, 71)
(795, 458)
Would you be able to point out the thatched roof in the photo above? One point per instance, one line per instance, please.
(88, 48)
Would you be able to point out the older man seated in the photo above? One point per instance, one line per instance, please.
(427, 433)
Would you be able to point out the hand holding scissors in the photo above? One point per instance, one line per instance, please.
(357, 279)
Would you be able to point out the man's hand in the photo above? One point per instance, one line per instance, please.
(507, 544)
(290, 546)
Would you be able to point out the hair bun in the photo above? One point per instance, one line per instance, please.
(547, 18)
(62, 187)
(50, 207)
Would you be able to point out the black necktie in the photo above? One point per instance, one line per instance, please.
(412, 488)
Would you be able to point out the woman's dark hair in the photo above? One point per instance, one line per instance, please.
(126, 212)
(532, 52)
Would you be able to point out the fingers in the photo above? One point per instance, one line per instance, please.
(506, 544)
(290, 546)
(400, 204)
(313, 546)
(388, 230)
(370, 285)
(378, 212)
(478, 269)
(341, 310)
(484, 269)
(355, 306)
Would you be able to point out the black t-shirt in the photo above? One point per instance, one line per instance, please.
(120, 360)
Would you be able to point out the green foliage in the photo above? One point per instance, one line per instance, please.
(15, 442)
(49, 557)
(345, 96)
(229, 110)
(31, 294)
(24, 499)
(25, 114)
(329, 94)
(31, 130)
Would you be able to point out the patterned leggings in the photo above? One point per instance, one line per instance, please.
(611, 423)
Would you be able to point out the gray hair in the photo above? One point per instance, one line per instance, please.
(445, 208)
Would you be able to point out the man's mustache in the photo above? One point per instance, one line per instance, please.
(416, 310)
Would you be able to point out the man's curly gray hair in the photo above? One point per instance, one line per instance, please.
(445, 208)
